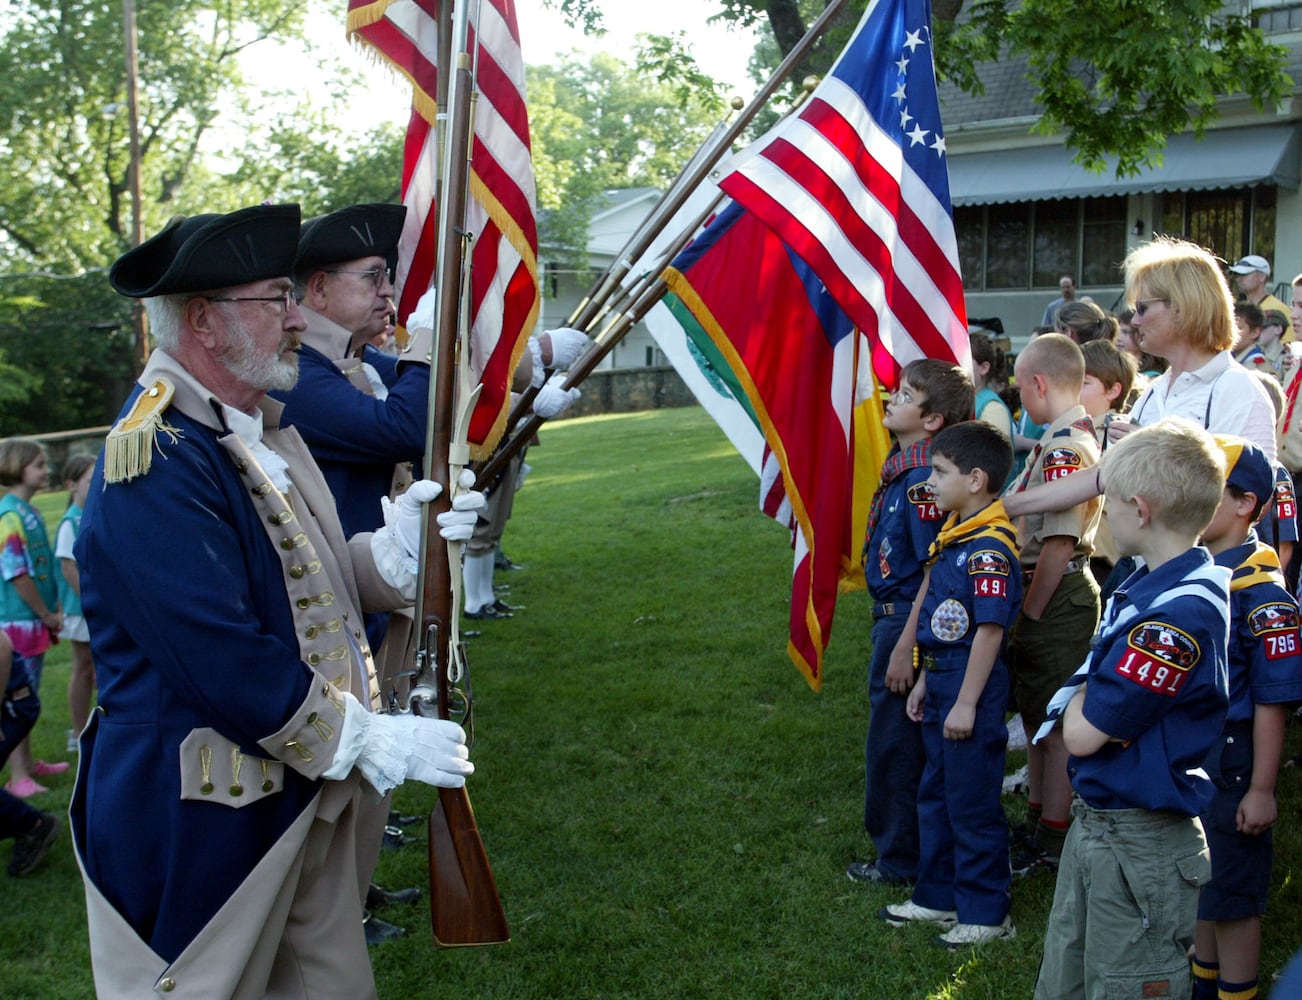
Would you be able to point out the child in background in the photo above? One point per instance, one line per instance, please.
(29, 594)
(1278, 524)
(1138, 719)
(1265, 673)
(902, 523)
(1109, 378)
(1249, 318)
(989, 379)
(1060, 603)
(968, 598)
(1271, 342)
(32, 831)
(81, 683)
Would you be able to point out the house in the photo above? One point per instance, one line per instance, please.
(612, 225)
(1026, 215)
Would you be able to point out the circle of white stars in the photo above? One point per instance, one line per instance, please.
(917, 136)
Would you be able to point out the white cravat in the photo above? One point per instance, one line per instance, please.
(249, 430)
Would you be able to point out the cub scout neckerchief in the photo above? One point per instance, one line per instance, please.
(915, 456)
(990, 522)
(1260, 566)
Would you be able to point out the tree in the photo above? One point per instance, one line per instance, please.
(597, 125)
(1116, 76)
(209, 142)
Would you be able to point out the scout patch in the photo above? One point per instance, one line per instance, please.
(923, 499)
(1276, 623)
(949, 622)
(991, 569)
(1158, 657)
(1060, 461)
(884, 558)
(1285, 500)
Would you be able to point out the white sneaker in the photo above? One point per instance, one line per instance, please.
(899, 914)
(965, 935)
(1018, 782)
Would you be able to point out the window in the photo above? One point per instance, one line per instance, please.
(1033, 244)
(1278, 19)
(1230, 223)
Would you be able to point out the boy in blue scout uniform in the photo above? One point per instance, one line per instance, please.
(969, 596)
(221, 774)
(1060, 607)
(1138, 719)
(903, 521)
(1265, 674)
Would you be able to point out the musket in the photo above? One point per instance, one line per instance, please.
(594, 306)
(465, 908)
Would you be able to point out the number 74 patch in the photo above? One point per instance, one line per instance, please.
(1158, 657)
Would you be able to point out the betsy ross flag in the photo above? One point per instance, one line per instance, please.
(767, 334)
(500, 212)
(856, 184)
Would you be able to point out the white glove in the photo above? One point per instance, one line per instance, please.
(552, 400)
(567, 345)
(389, 749)
(458, 524)
(407, 524)
(423, 317)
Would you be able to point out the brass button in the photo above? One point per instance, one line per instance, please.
(268, 785)
(311, 631)
(296, 572)
(237, 789)
(205, 788)
(312, 717)
(313, 659)
(167, 984)
(287, 543)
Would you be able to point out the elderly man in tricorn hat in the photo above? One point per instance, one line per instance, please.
(236, 734)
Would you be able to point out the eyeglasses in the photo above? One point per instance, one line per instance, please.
(285, 299)
(1141, 305)
(378, 275)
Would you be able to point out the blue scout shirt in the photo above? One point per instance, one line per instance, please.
(975, 580)
(1265, 664)
(896, 553)
(355, 438)
(1279, 519)
(1157, 681)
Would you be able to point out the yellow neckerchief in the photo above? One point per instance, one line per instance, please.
(990, 521)
(1261, 566)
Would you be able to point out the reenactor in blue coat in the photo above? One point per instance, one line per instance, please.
(238, 728)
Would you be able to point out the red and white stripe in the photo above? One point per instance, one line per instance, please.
(501, 213)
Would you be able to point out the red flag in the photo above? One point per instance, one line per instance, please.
(764, 323)
(856, 184)
(504, 263)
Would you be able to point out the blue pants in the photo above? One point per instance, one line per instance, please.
(17, 717)
(894, 759)
(964, 835)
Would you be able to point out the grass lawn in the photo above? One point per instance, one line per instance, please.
(669, 809)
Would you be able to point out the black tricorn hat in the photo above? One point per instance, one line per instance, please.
(370, 230)
(202, 252)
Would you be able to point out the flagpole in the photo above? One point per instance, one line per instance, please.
(687, 182)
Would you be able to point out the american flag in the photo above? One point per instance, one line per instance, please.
(504, 263)
(857, 185)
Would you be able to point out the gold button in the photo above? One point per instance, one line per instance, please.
(304, 603)
(287, 543)
(314, 659)
(205, 788)
(297, 572)
(268, 785)
(311, 631)
(312, 717)
(167, 984)
(237, 789)
(153, 391)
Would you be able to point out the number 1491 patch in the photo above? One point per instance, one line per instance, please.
(1158, 657)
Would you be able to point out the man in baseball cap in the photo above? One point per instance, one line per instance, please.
(1252, 276)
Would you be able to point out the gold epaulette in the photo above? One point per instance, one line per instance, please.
(129, 447)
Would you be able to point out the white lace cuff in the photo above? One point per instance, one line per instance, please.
(373, 744)
(539, 372)
(392, 562)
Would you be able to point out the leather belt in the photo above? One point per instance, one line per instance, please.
(888, 608)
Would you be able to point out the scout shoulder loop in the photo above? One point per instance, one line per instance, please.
(129, 447)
